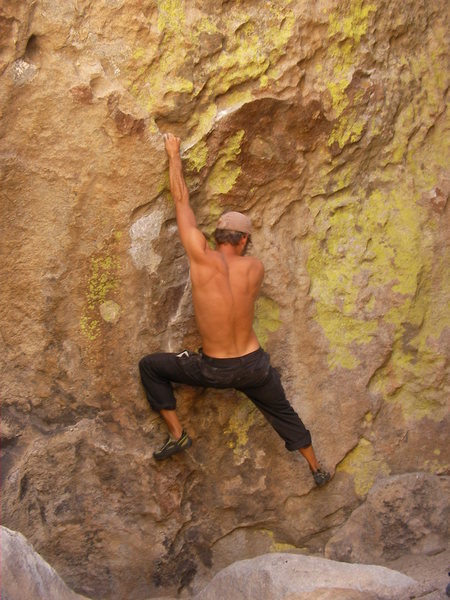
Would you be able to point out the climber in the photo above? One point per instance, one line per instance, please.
(225, 285)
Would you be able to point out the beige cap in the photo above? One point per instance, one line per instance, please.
(235, 221)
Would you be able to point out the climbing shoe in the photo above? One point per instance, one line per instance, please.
(173, 446)
(321, 476)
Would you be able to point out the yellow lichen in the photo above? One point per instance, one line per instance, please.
(197, 156)
(171, 15)
(435, 466)
(238, 426)
(345, 31)
(204, 123)
(364, 466)
(103, 281)
(251, 47)
(180, 85)
(348, 129)
(225, 171)
(267, 319)
(379, 237)
(278, 546)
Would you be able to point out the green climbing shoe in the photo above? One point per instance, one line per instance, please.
(172, 446)
(321, 476)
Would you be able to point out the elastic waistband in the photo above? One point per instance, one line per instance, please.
(230, 362)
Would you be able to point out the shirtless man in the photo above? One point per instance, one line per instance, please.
(225, 285)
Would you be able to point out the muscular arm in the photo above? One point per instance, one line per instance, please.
(191, 237)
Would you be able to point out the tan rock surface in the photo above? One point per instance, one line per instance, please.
(326, 122)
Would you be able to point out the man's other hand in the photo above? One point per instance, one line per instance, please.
(172, 144)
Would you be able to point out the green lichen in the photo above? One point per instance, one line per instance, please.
(90, 327)
(364, 466)
(267, 319)
(236, 99)
(225, 171)
(435, 466)
(278, 546)
(204, 123)
(180, 85)
(368, 417)
(102, 282)
(238, 427)
(196, 156)
(205, 25)
(338, 95)
(215, 211)
(252, 47)
(373, 261)
(171, 16)
(379, 238)
(347, 130)
(353, 24)
(264, 81)
(102, 279)
(345, 30)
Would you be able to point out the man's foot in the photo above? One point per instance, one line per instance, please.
(321, 476)
(173, 446)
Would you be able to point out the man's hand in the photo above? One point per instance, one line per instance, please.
(172, 144)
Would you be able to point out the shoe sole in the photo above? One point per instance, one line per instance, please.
(176, 450)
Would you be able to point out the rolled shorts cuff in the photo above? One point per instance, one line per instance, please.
(158, 407)
(303, 443)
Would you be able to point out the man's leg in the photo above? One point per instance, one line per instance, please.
(321, 476)
(271, 400)
(173, 423)
(310, 456)
(158, 371)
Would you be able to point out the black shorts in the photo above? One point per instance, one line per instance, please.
(251, 374)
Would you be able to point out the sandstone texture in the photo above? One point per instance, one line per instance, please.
(326, 122)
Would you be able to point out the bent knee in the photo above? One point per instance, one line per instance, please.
(146, 362)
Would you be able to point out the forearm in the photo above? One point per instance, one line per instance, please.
(191, 237)
(178, 187)
(180, 192)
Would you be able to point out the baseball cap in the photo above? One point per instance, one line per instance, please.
(235, 221)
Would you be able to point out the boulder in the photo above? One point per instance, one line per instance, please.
(297, 577)
(26, 575)
(402, 514)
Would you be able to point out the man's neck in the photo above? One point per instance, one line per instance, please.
(229, 250)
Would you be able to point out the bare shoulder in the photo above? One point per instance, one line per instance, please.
(254, 268)
(254, 263)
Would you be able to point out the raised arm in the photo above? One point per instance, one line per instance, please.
(193, 240)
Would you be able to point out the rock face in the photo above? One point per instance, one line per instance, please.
(288, 576)
(405, 514)
(325, 122)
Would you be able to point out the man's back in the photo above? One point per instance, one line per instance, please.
(224, 288)
(225, 283)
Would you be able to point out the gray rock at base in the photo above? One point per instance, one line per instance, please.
(297, 577)
(403, 514)
(26, 575)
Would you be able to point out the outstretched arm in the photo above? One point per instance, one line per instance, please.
(192, 238)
